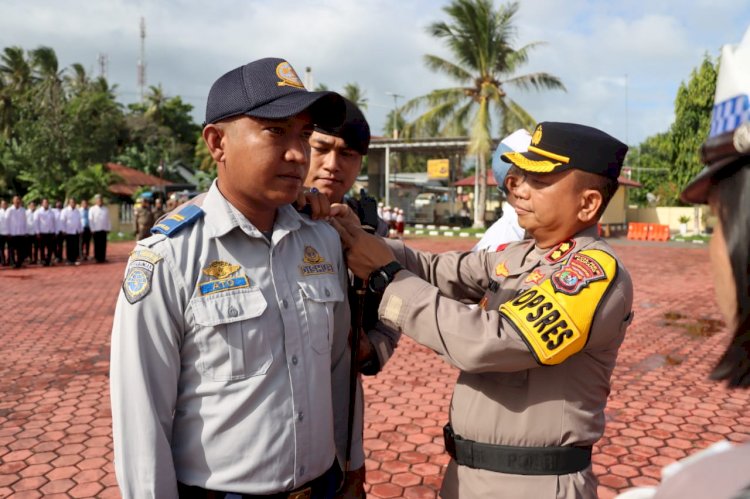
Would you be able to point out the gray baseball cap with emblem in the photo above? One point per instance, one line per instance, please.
(270, 89)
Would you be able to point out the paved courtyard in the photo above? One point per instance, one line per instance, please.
(55, 426)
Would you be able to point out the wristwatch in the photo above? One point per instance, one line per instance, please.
(382, 277)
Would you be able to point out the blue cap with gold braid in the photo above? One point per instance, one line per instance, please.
(171, 224)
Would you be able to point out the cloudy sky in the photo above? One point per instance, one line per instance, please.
(621, 61)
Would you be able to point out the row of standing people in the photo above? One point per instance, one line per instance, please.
(41, 234)
(395, 219)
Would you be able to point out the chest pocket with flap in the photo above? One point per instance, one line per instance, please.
(319, 295)
(230, 336)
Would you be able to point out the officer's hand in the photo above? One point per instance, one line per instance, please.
(314, 203)
(364, 252)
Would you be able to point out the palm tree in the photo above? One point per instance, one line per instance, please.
(78, 81)
(480, 38)
(15, 80)
(155, 100)
(47, 74)
(15, 69)
(354, 93)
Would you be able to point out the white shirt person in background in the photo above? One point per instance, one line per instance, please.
(100, 226)
(15, 217)
(46, 225)
(70, 225)
(505, 229)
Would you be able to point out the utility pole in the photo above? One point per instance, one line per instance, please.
(396, 97)
(388, 150)
(142, 60)
(626, 108)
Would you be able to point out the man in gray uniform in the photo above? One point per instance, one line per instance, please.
(232, 322)
(536, 356)
(336, 154)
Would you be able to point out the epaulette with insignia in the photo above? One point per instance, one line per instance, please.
(171, 224)
(560, 251)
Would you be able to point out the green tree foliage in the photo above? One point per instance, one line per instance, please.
(485, 63)
(56, 124)
(59, 126)
(161, 131)
(669, 160)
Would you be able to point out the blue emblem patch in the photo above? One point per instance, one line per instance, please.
(137, 283)
(219, 285)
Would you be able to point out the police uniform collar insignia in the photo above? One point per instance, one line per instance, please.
(576, 274)
(225, 276)
(184, 217)
(560, 251)
(288, 76)
(314, 263)
(501, 270)
(535, 277)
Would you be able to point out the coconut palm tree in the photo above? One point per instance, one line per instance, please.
(46, 72)
(15, 69)
(15, 81)
(481, 40)
(77, 81)
(354, 93)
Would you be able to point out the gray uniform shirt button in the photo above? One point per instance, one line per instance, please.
(328, 293)
(301, 416)
(232, 312)
(302, 470)
(284, 303)
(294, 360)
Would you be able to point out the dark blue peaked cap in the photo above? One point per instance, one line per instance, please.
(354, 129)
(270, 89)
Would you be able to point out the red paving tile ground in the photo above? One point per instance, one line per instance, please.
(55, 426)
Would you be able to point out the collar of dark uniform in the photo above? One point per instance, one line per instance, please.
(221, 217)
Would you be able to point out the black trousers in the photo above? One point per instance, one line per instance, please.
(46, 247)
(3, 243)
(32, 245)
(85, 242)
(16, 250)
(71, 247)
(100, 246)
(59, 240)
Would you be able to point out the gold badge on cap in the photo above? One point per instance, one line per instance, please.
(537, 137)
(288, 76)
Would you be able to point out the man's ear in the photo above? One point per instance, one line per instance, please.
(213, 135)
(591, 201)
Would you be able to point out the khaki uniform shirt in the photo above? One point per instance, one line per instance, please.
(505, 394)
(225, 349)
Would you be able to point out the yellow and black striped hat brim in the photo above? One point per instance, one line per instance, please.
(537, 160)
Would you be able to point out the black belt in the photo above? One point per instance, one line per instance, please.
(516, 460)
(317, 488)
